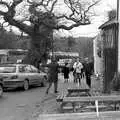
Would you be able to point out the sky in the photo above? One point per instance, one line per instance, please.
(92, 30)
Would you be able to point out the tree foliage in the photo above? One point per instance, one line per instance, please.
(43, 19)
(82, 45)
(7, 39)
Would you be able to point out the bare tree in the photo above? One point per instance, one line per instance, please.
(43, 19)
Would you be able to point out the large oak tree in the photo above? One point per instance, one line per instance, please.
(44, 17)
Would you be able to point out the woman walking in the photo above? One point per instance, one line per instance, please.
(66, 72)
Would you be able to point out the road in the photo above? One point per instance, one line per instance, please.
(27, 105)
(21, 105)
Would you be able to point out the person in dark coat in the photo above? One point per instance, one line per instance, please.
(66, 72)
(88, 68)
(53, 75)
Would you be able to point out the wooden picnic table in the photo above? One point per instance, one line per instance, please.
(74, 92)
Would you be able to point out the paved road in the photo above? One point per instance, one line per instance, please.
(21, 105)
(27, 105)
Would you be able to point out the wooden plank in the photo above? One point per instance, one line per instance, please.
(60, 97)
(78, 90)
(109, 115)
(91, 99)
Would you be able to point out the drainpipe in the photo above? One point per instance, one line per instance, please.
(118, 19)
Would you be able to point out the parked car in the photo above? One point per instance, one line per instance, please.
(21, 75)
(1, 87)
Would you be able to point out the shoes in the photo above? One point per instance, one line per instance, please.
(56, 91)
(46, 92)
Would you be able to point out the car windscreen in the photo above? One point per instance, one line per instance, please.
(10, 69)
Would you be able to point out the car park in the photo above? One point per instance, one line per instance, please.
(21, 75)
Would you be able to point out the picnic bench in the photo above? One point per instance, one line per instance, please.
(78, 92)
(95, 100)
(60, 97)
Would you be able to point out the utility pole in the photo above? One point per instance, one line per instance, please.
(118, 19)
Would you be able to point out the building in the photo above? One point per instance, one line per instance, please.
(12, 55)
(97, 53)
(63, 57)
(109, 37)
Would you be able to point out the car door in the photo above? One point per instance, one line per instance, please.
(29, 73)
(25, 73)
(35, 73)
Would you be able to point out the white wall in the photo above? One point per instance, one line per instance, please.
(98, 65)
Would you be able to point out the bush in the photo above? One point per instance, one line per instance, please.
(115, 84)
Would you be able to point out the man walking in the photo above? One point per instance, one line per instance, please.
(89, 68)
(53, 75)
(77, 70)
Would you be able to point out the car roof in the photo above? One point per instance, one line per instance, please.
(9, 65)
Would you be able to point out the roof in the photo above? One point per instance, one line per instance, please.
(13, 51)
(108, 23)
(11, 64)
(65, 54)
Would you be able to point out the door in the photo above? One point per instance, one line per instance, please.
(25, 72)
(36, 75)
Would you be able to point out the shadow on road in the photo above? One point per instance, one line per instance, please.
(21, 89)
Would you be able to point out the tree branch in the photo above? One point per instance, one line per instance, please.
(65, 27)
(9, 17)
(96, 2)
(71, 26)
(23, 27)
(5, 4)
(52, 7)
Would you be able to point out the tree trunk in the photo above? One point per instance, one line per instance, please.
(40, 45)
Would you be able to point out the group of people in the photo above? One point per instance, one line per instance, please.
(79, 70)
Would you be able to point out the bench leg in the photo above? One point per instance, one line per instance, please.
(97, 110)
(73, 105)
(116, 106)
(61, 106)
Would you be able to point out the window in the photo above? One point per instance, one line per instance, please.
(8, 69)
(34, 69)
(21, 68)
(28, 69)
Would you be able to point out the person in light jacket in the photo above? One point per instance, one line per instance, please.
(77, 70)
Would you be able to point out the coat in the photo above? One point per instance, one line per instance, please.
(89, 68)
(53, 72)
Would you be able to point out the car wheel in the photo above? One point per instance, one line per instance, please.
(1, 90)
(42, 84)
(26, 85)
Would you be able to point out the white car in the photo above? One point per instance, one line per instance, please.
(21, 75)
